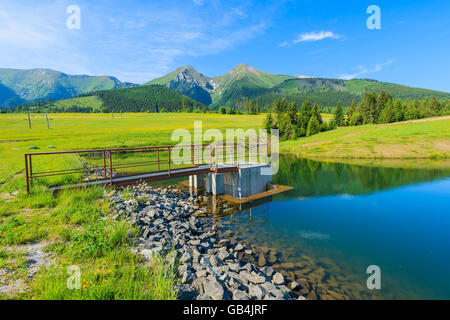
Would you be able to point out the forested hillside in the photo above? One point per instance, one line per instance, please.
(152, 98)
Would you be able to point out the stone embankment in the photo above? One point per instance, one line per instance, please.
(172, 222)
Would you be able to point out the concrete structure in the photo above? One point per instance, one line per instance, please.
(250, 179)
(196, 181)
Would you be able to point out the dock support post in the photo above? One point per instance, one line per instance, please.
(196, 181)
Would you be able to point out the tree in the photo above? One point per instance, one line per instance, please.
(305, 114)
(356, 119)
(313, 126)
(268, 123)
(316, 113)
(351, 110)
(387, 115)
(339, 118)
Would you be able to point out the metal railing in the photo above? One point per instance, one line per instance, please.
(161, 162)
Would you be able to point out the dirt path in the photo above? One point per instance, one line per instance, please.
(427, 119)
(34, 258)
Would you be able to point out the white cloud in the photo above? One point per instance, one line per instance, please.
(363, 70)
(316, 36)
(134, 45)
(312, 36)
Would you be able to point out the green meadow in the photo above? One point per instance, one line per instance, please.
(418, 139)
(75, 226)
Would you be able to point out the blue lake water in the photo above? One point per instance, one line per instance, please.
(341, 218)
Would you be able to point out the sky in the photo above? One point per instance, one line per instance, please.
(137, 41)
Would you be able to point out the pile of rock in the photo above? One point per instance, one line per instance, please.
(94, 172)
(209, 267)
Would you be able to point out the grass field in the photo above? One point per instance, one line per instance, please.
(75, 227)
(420, 139)
(84, 131)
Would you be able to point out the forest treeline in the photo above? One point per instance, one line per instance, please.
(374, 108)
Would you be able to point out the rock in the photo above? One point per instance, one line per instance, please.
(224, 243)
(257, 279)
(33, 147)
(186, 292)
(262, 260)
(278, 278)
(223, 253)
(185, 257)
(187, 277)
(147, 253)
(239, 247)
(213, 290)
(293, 285)
(234, 267)
(273, 290)
(234, 283)
(201, 273)
(239, 295)
(256, 291)
(249, 267)
(195, 242)
(248, 251)
(268, 271)
(215, 262)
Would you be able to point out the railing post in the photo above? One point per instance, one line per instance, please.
(110, 168)
(168, 150)
(104, 164)
(192, 154)
(210, 156)
(157, 158)
(26, 173)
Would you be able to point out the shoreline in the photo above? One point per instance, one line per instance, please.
(174, 223)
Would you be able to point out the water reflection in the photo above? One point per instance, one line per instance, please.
(313, 178)
(341, 218)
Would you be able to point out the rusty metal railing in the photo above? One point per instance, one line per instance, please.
(108, 166)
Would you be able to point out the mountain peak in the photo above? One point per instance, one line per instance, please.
(245, 69)
(186, 67)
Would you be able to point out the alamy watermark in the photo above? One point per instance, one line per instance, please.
(374, 280)
(73, 22)
(74, 279)
(227, 149)
(374, 20)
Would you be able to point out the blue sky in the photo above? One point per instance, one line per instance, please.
(137, 41)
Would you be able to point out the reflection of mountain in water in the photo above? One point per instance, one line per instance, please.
(314, 178)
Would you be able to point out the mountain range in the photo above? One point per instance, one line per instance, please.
(187, 85)
(246, 81)
(20, 86)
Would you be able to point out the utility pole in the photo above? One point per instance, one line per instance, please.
(46, 118)
(29, 121)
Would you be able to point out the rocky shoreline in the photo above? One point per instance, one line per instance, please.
(172, 221)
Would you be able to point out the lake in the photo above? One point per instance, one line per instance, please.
(340, 218)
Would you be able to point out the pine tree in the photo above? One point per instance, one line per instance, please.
(351, 110)
(268, 123)
(313, 126)
(305, 114)
(339, 119)
(316, 113)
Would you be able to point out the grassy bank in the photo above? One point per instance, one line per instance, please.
(420, 139)
(74, 228)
